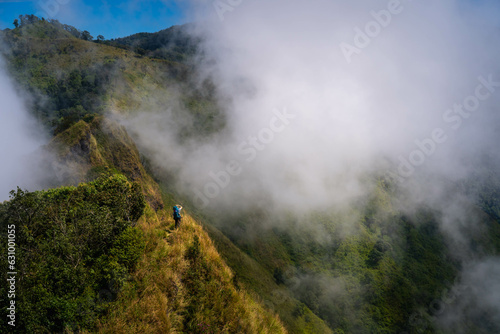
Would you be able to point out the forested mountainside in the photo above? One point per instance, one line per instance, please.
(98, 251)
(100, 254)
(174, 43)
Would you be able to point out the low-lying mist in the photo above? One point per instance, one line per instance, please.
(323, 98)
(20, 140)
(336, 114)
(319, 96)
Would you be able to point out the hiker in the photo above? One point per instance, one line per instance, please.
(177, 215)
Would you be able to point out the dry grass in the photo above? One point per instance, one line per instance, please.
(172, 292)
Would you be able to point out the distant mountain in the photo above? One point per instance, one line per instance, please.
(100, 254)
(244, 272)
(75, 77)
(174, 43)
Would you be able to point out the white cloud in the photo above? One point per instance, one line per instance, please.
(20, 138)
(350, 118)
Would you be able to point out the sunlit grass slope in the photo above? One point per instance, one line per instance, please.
(182, 285)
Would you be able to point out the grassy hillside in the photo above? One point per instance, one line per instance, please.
(297, 317)
(102, 271)
(86, 149)
(87, 144)
(237, 272)
(73, 79)
(88, 263)
(182, 285)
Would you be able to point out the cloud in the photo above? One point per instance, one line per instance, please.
(20, 140)
(474, 309)
(416, 94)
(381, 109)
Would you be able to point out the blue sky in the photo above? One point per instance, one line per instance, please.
(118, 18)
(108, 18)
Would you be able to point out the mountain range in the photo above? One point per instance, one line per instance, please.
(97, 251)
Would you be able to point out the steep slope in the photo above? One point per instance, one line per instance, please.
(71, 78)
(370, 268)
(86, 144)
(85, 149)
(183, 285)
(171, 281)
(297, 317)
(374, 275)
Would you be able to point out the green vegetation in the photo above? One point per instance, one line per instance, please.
(75, 79)
(368, 277)
(89, 265)
(86, 150)
(183, 286)
(74, 243)
(251, 274)
(174, 44)
(103, 256)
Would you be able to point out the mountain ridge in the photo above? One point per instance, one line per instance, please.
(278, 271)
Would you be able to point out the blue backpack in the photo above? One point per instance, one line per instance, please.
(177, 213)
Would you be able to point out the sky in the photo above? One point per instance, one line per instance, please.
(111, 19)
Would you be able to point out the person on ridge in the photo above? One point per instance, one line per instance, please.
(177, 215)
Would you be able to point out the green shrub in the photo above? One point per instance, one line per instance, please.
(75, 249)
